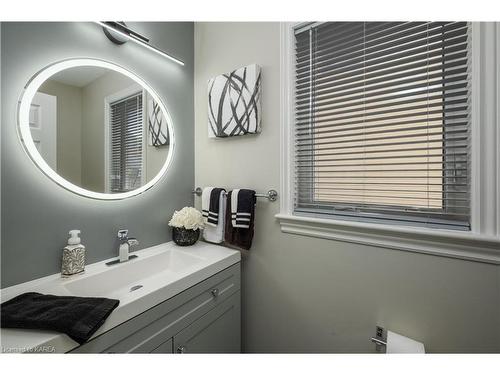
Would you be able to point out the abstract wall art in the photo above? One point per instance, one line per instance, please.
(158, 134)
(234, 103)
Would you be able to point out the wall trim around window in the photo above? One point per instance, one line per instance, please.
(482, 243)
(454, 244)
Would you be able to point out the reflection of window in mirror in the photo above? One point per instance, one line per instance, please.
(125, 145)
(98, 128)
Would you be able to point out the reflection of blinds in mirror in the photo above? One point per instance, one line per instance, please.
(126, 143)
(382, 112)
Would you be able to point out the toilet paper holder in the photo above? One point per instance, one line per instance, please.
(380, 338)
(391, 342)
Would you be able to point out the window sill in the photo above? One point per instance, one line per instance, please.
(445, 243)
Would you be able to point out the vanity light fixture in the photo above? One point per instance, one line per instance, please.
(129, 34)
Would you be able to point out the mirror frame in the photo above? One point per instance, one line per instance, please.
(25, 133)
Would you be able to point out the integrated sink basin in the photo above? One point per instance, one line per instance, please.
(157, 274)
(120, 279)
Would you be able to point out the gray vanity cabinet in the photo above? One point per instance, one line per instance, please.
(202, 319)
(215, 332)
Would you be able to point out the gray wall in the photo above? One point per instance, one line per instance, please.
(305, 294)
(155, 158)
(37, 213)
(69, 129)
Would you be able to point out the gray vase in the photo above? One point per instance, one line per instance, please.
(185, 237)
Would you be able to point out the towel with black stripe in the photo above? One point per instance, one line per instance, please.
(242, 206)
(210, 201)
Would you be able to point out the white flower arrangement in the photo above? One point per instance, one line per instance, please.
(188, 217)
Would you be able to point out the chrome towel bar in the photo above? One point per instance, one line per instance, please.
(272, 194)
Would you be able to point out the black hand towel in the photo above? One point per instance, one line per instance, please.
(78, 317)
(238, 235)
(210, 199)
(242, 206)
(213, 214)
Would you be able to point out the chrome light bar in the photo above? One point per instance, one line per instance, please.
(136, 38)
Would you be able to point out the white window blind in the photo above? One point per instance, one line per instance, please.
(382, 115)
(126, 165)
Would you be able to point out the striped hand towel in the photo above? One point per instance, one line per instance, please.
(210, 201)
(216, 234)
(242, 206)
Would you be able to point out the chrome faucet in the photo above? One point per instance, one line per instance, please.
(125, 243)
(124, 249)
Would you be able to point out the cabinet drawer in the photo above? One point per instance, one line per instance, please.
(152, 328)
(218, 331)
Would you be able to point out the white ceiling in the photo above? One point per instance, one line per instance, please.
(79, 77)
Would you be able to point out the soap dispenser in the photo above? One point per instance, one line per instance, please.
(73, 257)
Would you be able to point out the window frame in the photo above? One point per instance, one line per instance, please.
(313, 197)
(482, 242)
(108, 100)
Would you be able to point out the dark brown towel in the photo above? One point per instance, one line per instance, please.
(78, 317)
(239, 237)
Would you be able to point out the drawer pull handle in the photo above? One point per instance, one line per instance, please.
(181, 349)
(215, 292)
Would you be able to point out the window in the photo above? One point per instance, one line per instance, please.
(382, 122)
(126, 143)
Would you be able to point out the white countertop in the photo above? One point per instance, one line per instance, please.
(163, 271)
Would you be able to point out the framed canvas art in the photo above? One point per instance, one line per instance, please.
(234, 103)
(158, 134)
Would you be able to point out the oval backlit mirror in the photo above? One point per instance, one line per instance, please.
(96, 129)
